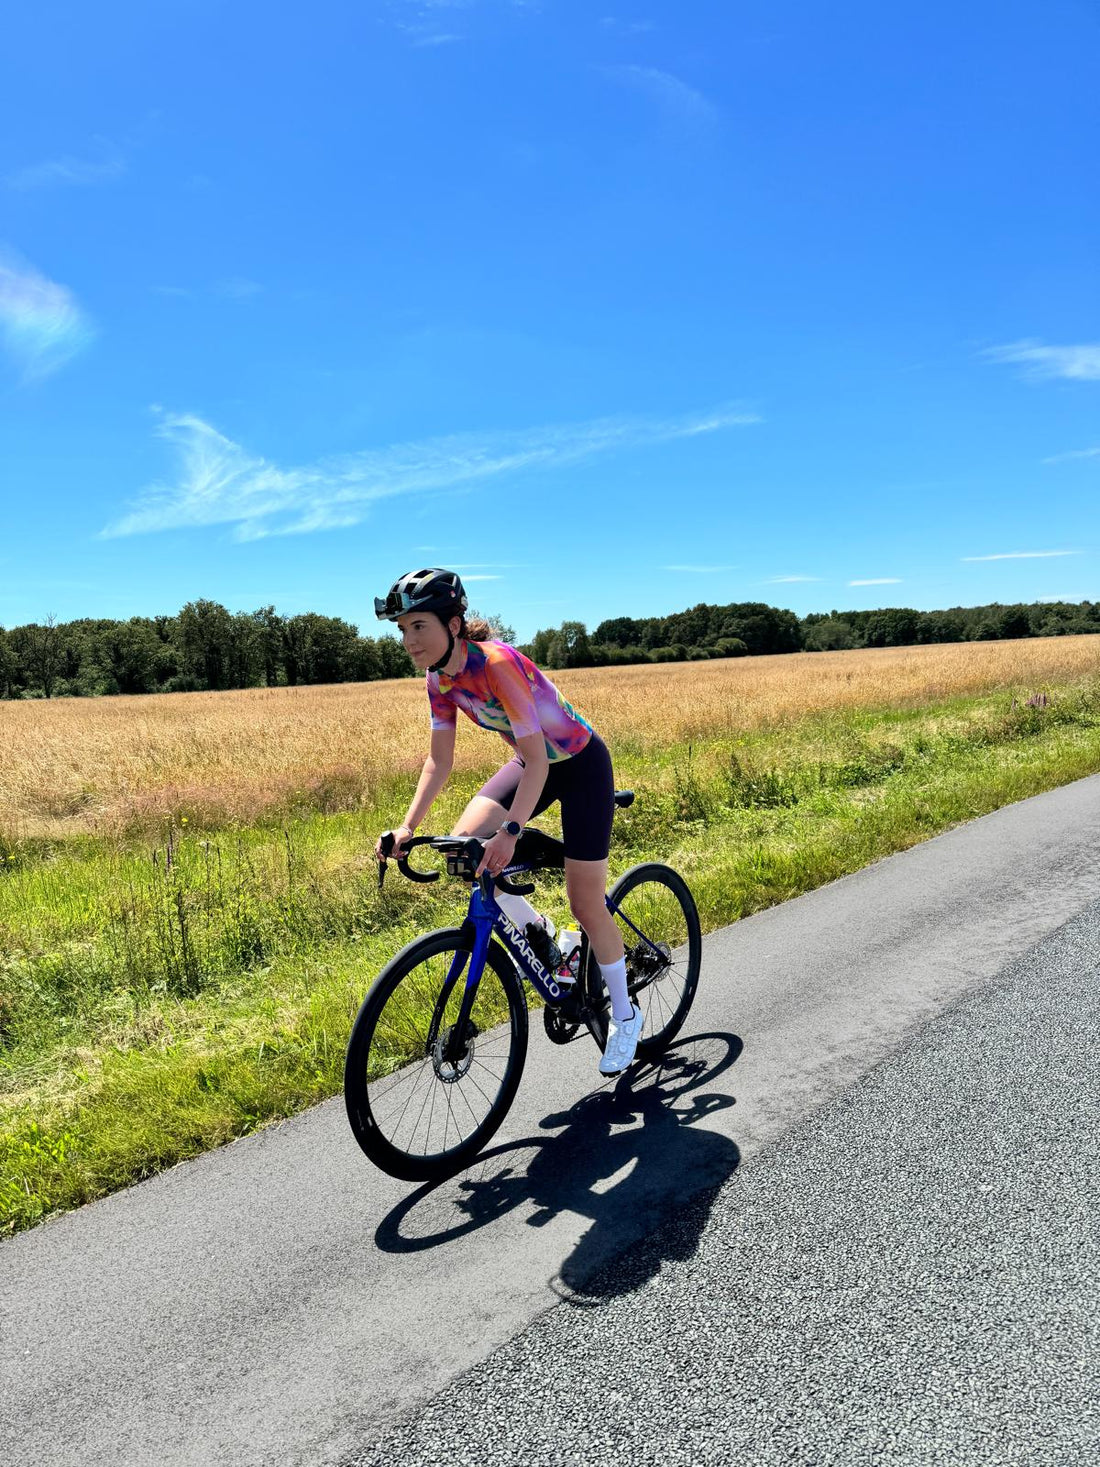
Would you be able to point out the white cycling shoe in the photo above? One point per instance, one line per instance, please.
(622, 1041)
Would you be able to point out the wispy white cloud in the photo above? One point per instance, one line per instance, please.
(428, 22)
(233, 288)
(220, 482)
(680, 102)
(1063, 458)
(878, 581)
(789, 580)
(620, 27)
(1022, 555)
(1076, 363)
(238, 288)
(432, 22)
(103, 162)
(700, 570)
(41, 325)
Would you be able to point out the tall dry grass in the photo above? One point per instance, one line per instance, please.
(123, 765)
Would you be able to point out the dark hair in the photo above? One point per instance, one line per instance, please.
(473, 629)
(477, 629)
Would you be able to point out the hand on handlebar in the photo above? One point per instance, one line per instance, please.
(499, 851)
(396, 841)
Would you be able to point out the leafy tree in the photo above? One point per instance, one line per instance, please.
(940, 626)
(320, 648)
(540, 646)
(574, 642)
(896, 626)
(366, 663)
(620, 631)
(127, 654)
(763, 629)
(9, 666)
(38, 647)
(692, 627)
(653, 632)
(1014, 622)
(395, 661)
(244, 655)
(831, 634)
(730, 647)
(205, 637)
(502, 632)
(269, 643)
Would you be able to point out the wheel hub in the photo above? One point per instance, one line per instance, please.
(449, 1070)
(647, 964)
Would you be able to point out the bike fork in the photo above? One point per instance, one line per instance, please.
(481, 931)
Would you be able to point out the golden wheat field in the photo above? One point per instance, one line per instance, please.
(122, 764)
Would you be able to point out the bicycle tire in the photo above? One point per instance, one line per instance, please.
(396, 1021)
(659, 902)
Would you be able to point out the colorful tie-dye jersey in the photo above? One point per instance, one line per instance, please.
(501, 689)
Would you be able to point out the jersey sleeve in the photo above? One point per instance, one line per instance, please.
(508, 683)
(442, 711)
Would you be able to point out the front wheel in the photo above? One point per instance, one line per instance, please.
(423, 1101)
(655, 911)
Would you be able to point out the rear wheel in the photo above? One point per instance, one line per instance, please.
(422, 1101)
(656, 914)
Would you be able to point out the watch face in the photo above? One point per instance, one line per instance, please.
(511, 827)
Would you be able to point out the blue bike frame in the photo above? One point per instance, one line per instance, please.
(483, 917)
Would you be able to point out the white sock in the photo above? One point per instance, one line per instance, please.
(614, 975)
(519, 912)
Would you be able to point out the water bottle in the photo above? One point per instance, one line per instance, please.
(569, 944)
(521, 913)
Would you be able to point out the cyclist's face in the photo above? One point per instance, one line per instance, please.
(424, 636)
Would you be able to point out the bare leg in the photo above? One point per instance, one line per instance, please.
(586, 884)
(481, 817)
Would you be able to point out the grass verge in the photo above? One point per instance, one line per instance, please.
(156, 1002)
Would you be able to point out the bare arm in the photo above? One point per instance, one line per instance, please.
(500, 848)
(532, 750)
(434, 775)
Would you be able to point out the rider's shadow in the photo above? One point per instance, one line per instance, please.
(628, 1178)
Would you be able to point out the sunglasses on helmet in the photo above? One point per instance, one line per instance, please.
(395, 603)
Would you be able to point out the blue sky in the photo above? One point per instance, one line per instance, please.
(615, 309)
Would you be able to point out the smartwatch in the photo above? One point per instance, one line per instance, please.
(510, 827)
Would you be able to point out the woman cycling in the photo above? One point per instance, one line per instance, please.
(558, 756)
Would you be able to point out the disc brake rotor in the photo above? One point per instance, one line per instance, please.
(645, 964)
(449, 1070)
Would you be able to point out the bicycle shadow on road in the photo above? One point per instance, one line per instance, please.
(628, 1157)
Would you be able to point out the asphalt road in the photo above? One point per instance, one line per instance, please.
(279, 1301)
(912, 1275)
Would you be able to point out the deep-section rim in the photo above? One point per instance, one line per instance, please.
(656, 872)
(365, 1127)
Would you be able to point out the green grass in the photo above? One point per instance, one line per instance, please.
(157, 1002)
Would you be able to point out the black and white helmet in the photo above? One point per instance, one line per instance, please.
(433, 589)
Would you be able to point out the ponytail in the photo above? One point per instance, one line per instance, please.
(477, 629)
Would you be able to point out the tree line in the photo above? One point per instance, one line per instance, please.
(752, 628)
(205, 647)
